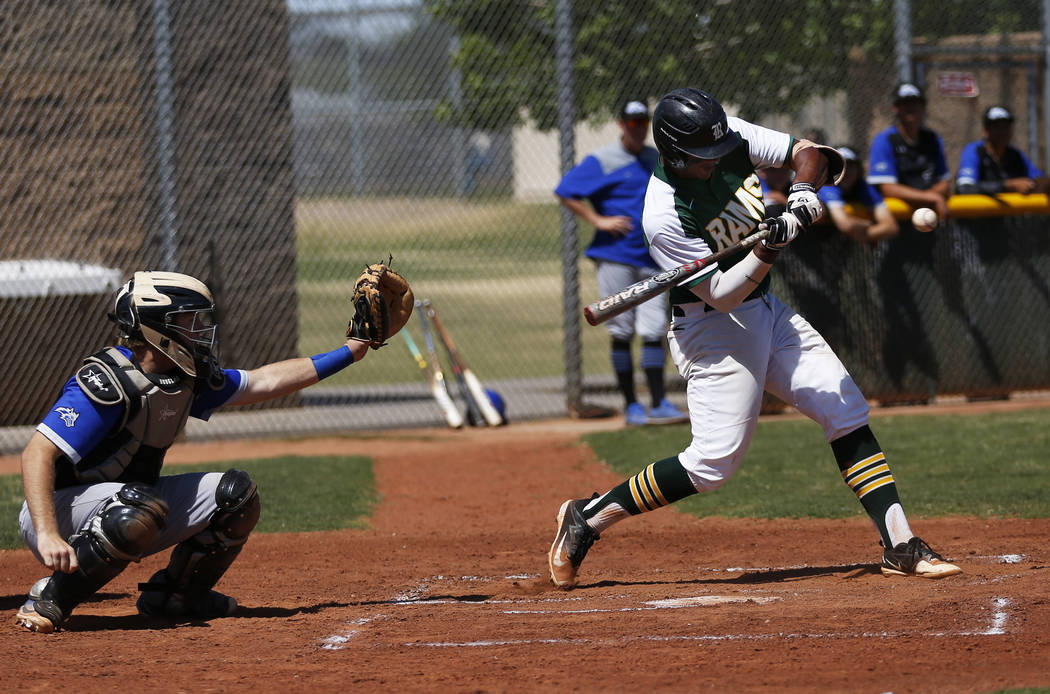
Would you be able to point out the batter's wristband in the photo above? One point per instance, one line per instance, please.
(765, 253)
(328, 363)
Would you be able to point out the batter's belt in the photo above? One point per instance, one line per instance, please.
(681, 310)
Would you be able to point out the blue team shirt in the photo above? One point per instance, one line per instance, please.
(919, 165)
(614, 181)
(970, 164)
(79, 424)
(863, 193)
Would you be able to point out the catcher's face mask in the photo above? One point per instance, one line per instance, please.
(174, 313)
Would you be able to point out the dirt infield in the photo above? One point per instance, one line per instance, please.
(447, 592)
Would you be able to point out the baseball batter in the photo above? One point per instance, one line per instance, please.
(731, 338)
(95, 498)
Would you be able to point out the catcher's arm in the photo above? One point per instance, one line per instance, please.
(283, 377)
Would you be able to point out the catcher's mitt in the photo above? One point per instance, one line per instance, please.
(383, 303)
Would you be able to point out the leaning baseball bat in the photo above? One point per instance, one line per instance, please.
(436, 381)
(462, 371)
(439, 388)
(640, 292)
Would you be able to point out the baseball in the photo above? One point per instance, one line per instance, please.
(924, 219)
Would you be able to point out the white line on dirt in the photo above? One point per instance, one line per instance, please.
(687, 637)
(338, 641)
(670, 604)
(413, 597)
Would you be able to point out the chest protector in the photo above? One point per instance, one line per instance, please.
(156, 408)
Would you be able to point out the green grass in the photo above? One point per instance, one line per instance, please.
(492, 269)
(988, 466)
(298, 494)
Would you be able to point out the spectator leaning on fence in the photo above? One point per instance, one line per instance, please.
(878, 224)
(907, 159)
(606, 190)
(992, 165)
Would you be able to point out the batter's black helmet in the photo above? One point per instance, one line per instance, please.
(173, 312)
(691, 123)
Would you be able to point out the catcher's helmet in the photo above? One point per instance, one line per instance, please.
(691, 123)
(173, 312)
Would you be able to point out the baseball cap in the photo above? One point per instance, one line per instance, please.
(906, 91)
(997, 114)
(634, 109)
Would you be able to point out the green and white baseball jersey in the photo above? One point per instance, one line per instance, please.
(685, 218)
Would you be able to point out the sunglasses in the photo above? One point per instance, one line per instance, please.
(636, 122)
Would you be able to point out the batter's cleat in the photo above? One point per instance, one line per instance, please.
(915, 558)
(571, 543)
(667, 413)
(158, 600)
(635, 415)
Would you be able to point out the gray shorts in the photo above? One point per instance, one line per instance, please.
(190, 498)
(648, 320)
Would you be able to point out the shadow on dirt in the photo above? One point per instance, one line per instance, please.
(755, 577)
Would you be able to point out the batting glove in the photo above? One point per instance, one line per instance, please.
(804, 203)
(782, 231)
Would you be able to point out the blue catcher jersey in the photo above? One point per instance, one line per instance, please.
(80, 426)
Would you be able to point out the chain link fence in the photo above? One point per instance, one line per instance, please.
(274, 147)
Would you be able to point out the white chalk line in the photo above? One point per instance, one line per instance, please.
(670, 604)
(997, 628)
(336, 642)
(413, 597)
(676, 637)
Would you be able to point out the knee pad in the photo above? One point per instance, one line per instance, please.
(237, 497)
(129, 522)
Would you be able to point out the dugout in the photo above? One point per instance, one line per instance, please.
(962, 310)
(57, 313)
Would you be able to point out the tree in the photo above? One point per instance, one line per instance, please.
(760, 56)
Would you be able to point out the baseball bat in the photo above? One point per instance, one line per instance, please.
(436, 381)
(640, 292)
(440, 391)
(459, 367)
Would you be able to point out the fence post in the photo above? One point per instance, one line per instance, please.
(1046, 83)
(166, 184)
(902, 39)
(569, 229)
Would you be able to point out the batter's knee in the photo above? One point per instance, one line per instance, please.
(706, 473)
(851, 414)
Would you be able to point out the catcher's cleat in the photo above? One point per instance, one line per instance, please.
(158, 600)
(915, 558)
(571, 543)
(211, 605)
(35, 614)
(31, 619)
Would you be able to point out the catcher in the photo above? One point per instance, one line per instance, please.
(95, 498)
